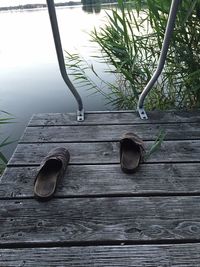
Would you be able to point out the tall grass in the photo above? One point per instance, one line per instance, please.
(131, 42)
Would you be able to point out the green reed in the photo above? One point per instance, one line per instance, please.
(131, 42)
(5, 118)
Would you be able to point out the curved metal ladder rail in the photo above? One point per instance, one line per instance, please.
(58, 46)
(162, 58)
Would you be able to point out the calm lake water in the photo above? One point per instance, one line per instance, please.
(30, 81)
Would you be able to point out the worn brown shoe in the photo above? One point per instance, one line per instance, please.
(131, 152)
(51, 169)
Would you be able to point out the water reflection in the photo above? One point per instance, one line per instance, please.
(91, 6)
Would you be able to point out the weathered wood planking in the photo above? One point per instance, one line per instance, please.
(179, 131)
(86, 180)
(110, 118)
(182, 255)
(105, 152)
(96, 203)
(100, 220)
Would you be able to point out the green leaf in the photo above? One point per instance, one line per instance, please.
(3, 158)
(157, 144)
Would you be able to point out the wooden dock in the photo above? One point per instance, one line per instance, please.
(99, 215)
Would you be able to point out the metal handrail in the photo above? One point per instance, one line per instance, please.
(59, 51)
(162, 58)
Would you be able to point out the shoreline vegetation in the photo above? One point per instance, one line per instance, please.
(33, 6)
(36, 6)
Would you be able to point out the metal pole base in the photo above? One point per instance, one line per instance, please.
(142, 113)
(80, 115)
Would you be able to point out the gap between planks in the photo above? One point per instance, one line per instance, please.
(107, 243)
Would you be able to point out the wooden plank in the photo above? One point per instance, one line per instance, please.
(184, 255)
(114, 118)
(109, 132)
(105, 152)
(100, 220)
(86, 180)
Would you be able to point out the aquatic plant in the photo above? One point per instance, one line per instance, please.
(5, 118)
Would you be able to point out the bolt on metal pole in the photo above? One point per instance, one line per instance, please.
(59, 51)
(162, 58)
